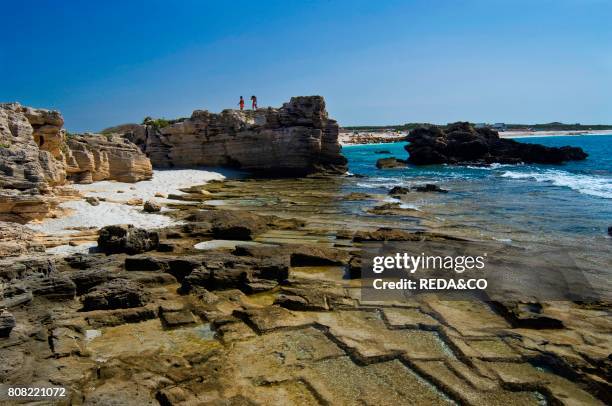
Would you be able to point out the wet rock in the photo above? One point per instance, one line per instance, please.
(430, 187)
(94, 201)
(176, 318)
(354, 267)
(462, 143)
(151, 207)
(610, 231)
(7, 323)
(357, 196)
(126, 239)
(108, 318)
(384, 234)
(399, 190)
(389, 163)
(116, 294)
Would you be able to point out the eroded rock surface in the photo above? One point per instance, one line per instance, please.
(36, 156)
(126, 239)
(298, 138)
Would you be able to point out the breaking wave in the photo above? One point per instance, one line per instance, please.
(585, 184)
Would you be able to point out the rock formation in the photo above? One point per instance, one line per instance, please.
(36, 155)
(462, 143)
(93, 158)
(298, 138)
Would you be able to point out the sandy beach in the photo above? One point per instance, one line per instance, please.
(383, 137)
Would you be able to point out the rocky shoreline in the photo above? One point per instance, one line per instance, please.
(253, 293)
(268, 309)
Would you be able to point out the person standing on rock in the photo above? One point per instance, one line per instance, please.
(254, 102)
(241, 103)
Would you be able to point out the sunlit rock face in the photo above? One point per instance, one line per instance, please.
(297, 139)
(36, 155)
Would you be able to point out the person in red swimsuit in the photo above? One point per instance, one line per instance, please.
(254, 102)
(241, 103)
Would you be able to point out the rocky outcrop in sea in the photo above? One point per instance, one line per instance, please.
(462, 143)
(37, 155)
(297, 139)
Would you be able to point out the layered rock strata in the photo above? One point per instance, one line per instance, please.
(298, 138)
(462, 143)
(36, 155)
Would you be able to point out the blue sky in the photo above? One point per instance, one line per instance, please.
(376, 62)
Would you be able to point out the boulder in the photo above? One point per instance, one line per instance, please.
(297, 139)
(230, 224)
(126, 239)
(7, 323)
(399, 190)
(390, 163)
(430, 187)
(226, 271)
(462, 143)
(115, 294)
(151, 207)
(94, 201)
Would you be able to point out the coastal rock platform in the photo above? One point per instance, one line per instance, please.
(280, 319)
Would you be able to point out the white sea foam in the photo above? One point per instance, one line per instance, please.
(108, 213)
(585, 184)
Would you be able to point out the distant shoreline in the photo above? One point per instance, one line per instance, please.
(367, 138)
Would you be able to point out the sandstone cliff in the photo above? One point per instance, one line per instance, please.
(93, 158)
(36, 155)
(297, 139)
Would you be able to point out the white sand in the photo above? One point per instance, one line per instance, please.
(527, 134)
(348, 138)
(109, 213)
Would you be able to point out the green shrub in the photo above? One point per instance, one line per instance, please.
(157, 122)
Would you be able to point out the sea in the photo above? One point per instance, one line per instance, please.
(565, 208)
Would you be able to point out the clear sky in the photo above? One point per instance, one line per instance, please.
(104, 63)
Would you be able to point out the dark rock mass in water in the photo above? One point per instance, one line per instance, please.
(462, 143)
(297, 139)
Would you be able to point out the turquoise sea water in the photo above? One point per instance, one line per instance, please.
(570, 202)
